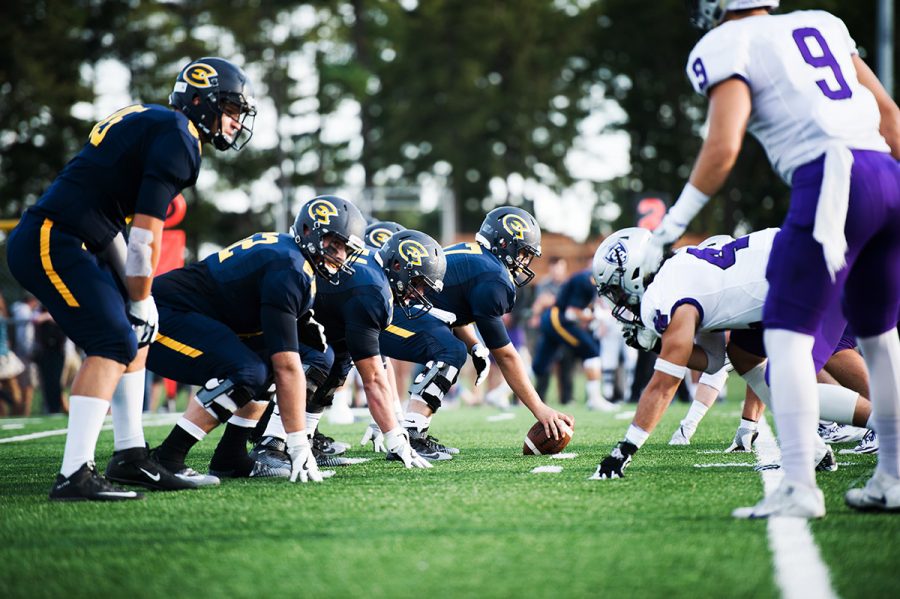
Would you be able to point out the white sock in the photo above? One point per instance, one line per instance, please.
(127, 406)
(191, 428)
(312, 421)
(594, 391)
(275, 428)
(636, 435)
(242, 422)
(417, 421)
(86, 416)
(836, 403)
(882, 354)
(795, 402)
(694, 415)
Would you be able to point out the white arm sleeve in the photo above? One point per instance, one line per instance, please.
(139, 262)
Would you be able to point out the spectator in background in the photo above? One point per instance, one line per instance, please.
(50, 357)
(545, 293)
(10, 367)
(23, 313)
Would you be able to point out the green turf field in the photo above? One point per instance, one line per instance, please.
(479, 526)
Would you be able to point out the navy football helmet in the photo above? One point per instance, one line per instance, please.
(333, 218)
(206, 88)
(414, 264)
(514, 236)
(380, 231)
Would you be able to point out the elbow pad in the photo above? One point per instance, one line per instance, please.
(139, 261)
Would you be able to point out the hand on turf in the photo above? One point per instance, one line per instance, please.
(397, 442)
(374, 435)
(480, 361)
(613, 465)
(743, 440)
(303, 462)
(144, 319)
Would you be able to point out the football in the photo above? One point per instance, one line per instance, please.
(538, 443)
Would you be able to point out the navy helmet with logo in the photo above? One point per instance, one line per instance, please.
(380, 231)
(617, 271)
(414, 264)
(206, 88)
(329, 218)
(514, 236)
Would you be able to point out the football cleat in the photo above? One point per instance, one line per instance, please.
(599, 404)
(251, 466)
(327, 445)
(440, 446)
(134, 466)
(425, 446)
(827, 462)
(868, 444)
(840, 433)
(86, 484)
(787, 501)
(681, 436)
(881, 493)
(183, 472)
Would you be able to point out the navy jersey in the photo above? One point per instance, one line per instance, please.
(477, 288)
(135, 162)
(259, 285)
(355, 311)
(578, 292)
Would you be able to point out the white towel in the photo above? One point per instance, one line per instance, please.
(831, 212)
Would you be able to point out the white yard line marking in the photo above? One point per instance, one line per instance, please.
(799, 569)
(149, 420)
(501, 417)
(725, 465)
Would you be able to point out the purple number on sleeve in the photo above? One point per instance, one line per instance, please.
(825, 60)
(700, 73)
(725, 256)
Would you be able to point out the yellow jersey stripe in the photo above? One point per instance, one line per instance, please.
(181, 348)
(559, 328)
(48, 266)
(400, 332)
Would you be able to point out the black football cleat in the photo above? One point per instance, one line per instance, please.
(86, 484)
(425, 446)
(133, 466)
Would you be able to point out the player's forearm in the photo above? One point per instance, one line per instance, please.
(655, 400)
(714, 163)
(466, 334)
(887, 108)
(378, 392)
(290, 386)
(510, 364)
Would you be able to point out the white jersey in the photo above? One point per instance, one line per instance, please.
(805, 91)
(726, 282)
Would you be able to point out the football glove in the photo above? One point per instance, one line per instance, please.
(311, 333)
(641, 338)
(743, 440)
(397, 442)
(613, 465)
(144, 319)
(303, 462)
(480, 361)
(374, 435)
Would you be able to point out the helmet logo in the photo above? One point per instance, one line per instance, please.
(379, 236)
(617, 255)
(200, 75)
(321, 211)
(412, 251)
(515, 225)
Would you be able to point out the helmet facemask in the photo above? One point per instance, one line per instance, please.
(325, 258)
(412, 300)
(520, 262)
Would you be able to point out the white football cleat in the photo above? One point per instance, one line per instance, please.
(601, 404)
(881, 493)
(869, 444)
(840, 433)
(787, 501)
(681, 436)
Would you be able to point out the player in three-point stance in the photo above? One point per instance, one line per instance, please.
(69, 250)
(832, 132)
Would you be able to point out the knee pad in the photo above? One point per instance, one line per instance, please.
(714, 346)
(222, 397)
(433, 383)
(324, 395)
(316, 380)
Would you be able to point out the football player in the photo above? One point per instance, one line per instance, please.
(134, 163)
(567, 323)
(380, 231)
(480, 287)
(680, 312)
(252, 292)
(354, 313)
(832, 132)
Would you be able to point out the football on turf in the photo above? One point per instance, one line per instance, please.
(538, 443)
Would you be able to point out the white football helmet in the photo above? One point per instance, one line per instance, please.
(617, 271)
(706, 14)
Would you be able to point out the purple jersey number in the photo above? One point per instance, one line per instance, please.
(826, 59)
(723, 257)
(700, 73)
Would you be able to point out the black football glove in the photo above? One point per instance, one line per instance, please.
(311, 332)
